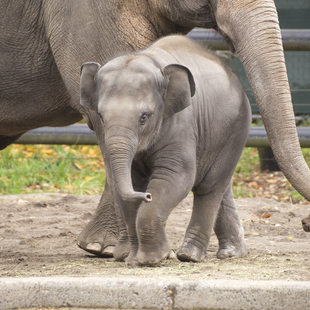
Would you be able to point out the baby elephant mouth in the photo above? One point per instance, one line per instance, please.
(148, 197)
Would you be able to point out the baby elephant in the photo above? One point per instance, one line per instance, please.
(174, 118)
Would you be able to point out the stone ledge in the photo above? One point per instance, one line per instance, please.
(154, 293)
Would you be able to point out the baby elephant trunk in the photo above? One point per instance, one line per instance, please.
(121, 145)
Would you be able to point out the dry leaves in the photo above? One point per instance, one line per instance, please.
(269, 184)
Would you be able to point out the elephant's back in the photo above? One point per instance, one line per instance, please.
(213, 77)
(219, 97)
(178, 45)
(219, 94)
(184, 51)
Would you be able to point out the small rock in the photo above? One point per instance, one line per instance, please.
(22, 202)
(172, 255)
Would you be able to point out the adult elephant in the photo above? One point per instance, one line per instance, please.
(44, 43)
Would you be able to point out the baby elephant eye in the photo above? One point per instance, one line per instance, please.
(143, 118)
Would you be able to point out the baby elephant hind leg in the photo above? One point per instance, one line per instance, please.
(214, 195)
(228, 229)
(205, 209)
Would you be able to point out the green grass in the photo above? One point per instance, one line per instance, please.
(249, 162)
(32, 169)
(80, 170)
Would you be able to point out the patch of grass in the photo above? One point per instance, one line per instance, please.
(249, 161)
(80, 170)
(249, 181)
(305, 121)
(42, 168)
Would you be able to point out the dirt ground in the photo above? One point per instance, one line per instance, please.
(38, 238)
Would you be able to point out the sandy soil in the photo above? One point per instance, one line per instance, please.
(38, 238)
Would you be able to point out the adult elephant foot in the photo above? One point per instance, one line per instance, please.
(306, 224)
(191, 251)
(100, 235)
(96, 240)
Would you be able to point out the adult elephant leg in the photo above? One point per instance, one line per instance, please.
(306, 223)
(6, 140)
(253, 30)
(228, 228)
(101, 233)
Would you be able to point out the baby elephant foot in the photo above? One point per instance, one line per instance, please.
(190, 251)
(154, 257)
(306, 224)
(228, 249)
(131, 260)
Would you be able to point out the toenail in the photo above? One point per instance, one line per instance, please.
(95, 247)
(108, 250)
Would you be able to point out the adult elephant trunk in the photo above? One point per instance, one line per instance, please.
(254, 31)
(120, 148)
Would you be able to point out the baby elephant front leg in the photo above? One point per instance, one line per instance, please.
(151, 221)
(153, 245)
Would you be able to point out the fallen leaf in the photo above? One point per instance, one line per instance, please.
(253, 184)
(266, 215)
(77, 166)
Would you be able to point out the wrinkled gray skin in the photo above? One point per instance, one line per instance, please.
(174, 119)
(306, 223)
(44, 43)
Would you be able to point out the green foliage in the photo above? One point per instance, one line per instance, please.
(77, 169)
(249, 181)
(249, 161)
(80, 170)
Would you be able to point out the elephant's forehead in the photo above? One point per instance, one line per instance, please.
(125, 100)
(132, 71)
(126, 83)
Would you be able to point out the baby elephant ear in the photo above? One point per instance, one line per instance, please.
(88, 84)
(180, 88)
